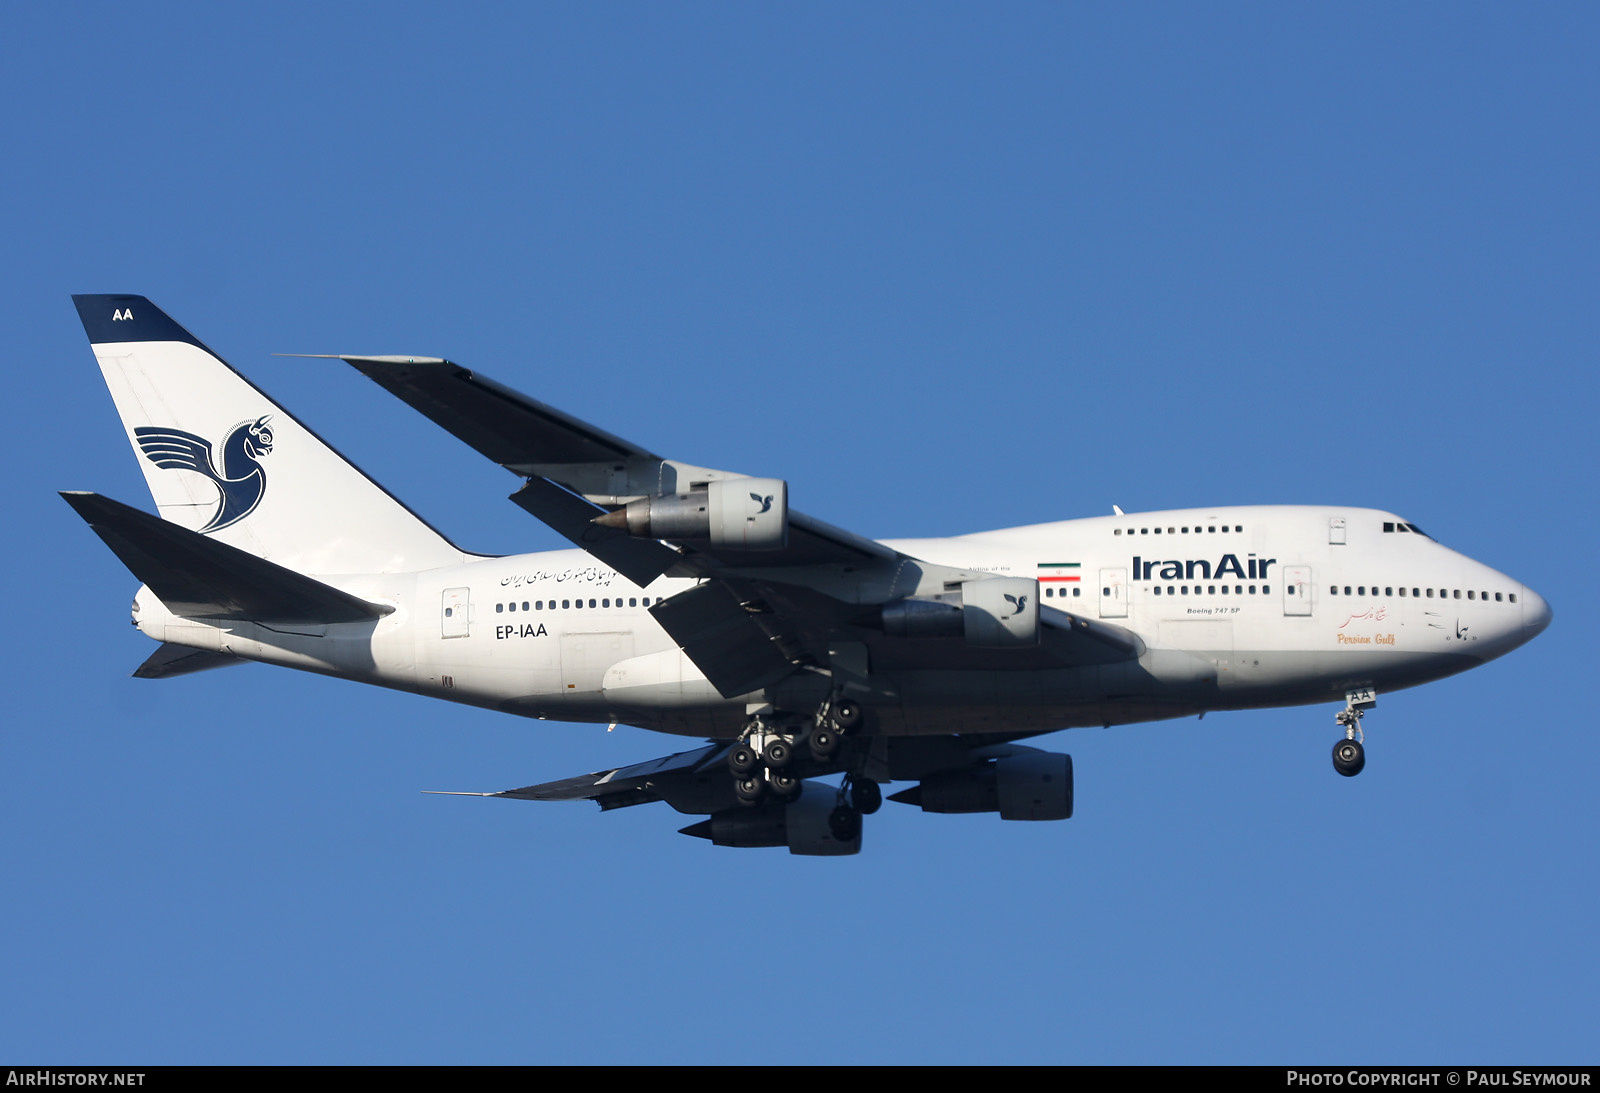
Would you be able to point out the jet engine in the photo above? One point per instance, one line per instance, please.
(738, 513)
(1033, 785)
(994, 613)
(801, 825)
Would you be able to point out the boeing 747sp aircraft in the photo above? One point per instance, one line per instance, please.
(698, 602)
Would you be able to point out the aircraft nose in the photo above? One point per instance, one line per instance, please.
(1535, 613)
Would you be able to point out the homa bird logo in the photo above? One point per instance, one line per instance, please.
(765, 502)
(238, 474)
(1019, 602)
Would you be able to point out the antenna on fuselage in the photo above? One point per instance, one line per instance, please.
(1117, 511)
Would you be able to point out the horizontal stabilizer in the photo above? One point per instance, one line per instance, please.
(180, 660)
(198, 577)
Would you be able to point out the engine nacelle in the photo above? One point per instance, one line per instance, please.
(739, 513)
(995, 613)
(801, 825)
(1033, 785)
(1001, 612)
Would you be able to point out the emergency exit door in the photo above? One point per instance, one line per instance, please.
(454, 612)
(1114, 593)
(1297, 590)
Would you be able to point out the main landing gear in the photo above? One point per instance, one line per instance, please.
(1349, 756)
(761, 760)
(858, 797)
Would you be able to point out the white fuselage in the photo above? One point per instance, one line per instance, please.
(1237, 607)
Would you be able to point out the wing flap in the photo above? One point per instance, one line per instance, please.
(639, 560)
(722, 632)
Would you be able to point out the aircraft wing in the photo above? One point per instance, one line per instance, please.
(783, 591)
(539, 442)
(691, 781)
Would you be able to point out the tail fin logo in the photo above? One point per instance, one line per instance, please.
(238, 474)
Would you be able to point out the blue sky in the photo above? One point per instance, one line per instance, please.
(942, 267)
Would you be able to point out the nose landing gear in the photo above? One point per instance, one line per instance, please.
(1349, 756)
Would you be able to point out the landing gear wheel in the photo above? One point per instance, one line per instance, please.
(750, 789)
(1349, 757)
(846, 715)
(865, 796)
(742, 760)
(844, 823)
(777, 753)
(824, 744)
(785, 787)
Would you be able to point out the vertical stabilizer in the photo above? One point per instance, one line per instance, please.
(223, 459)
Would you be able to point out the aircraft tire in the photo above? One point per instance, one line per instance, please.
(846, 716)
(785, 787)
(742, 760)
(1349, 757)
(824, 744)
(749, 789)
(844, 823)
(866, 797)
(776, 754)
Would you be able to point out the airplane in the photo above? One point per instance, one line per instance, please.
(697, 602)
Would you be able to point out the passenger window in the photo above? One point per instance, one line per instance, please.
(1238, 527)
(1077, 591)
(1333, 590)
(1497, 597)
(565, 604)
(1387, 591)
(1470, 596)
(1513, 597)
(1347, 590)
(1402, 593)
(1361, 590)
(633, 601)
(538, 605)
(524, 605)
(1144, 531)
(1184, 589)
(605, 603)
(1458, 593)
(1252, 590)
(1266, 590)
(499, 608)
(591, 603)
